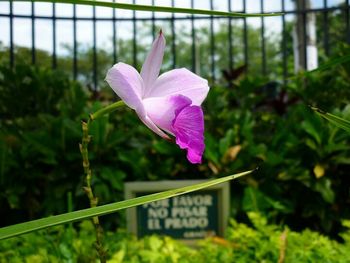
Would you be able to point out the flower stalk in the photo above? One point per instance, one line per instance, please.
(86, 139)
(106, 110)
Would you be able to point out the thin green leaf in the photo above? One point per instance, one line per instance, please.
(154, 8)
(329, 64)
(340, 122)
(35, 225)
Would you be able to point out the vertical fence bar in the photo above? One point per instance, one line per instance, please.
(284, 45)
(230, 45)
(33, 33)
(173, 44)
(12, 57)
(302, 11)
(326, 29)
(153, 23)
(54, 55)
(300, 33)
(245, 35)
(262, 33)
(304, 15)
(114, 36)
(94, 62)
(347, 22)
(212, 42)
(75, 44)
(193, 35)
(134, 53)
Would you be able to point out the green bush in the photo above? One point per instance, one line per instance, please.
(259, 242)
(40, 112)
(304, 161)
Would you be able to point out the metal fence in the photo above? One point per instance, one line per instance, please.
(302, 11)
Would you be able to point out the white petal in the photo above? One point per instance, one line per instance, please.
(181, 82)
(153, 62)
(127, 83)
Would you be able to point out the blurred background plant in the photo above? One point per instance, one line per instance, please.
(303, 160)
(252, 119)
(258, 242)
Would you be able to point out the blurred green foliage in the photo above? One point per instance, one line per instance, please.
(257, 242)
(250, 121)
(304, 161)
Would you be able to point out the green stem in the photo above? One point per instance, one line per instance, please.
(106, 110)
(102, 253)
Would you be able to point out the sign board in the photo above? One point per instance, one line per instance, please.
(186, 217)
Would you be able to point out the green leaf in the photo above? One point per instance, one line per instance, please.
(312, 130)
(255, 200)
(331, 63)
(34, 225)
(154, 8)
(226, 141)
(211, 152)
(325, 66)
(340, 122)
(324, 187)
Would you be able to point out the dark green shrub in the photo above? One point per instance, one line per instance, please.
(303, 160)
(257, 243)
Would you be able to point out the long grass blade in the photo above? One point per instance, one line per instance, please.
(340, 122)
(325, 66)
(19, 229)
(331, 63)
(154, 8)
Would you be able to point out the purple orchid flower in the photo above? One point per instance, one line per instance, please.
(169, 103)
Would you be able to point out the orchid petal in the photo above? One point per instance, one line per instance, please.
(150, 124)
(188, 126)
(161, 110)
(151, 67)
(126, 83)
(181, 81)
